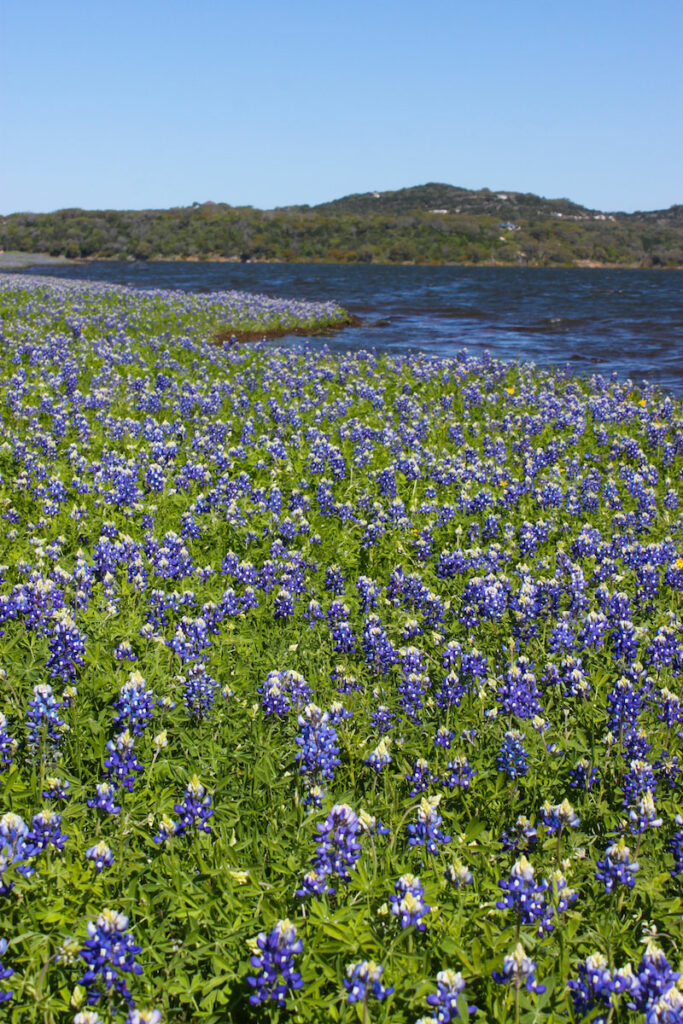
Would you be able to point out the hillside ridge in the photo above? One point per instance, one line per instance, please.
(430, 223)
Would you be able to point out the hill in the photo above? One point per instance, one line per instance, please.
(451, 199)
(432, 223)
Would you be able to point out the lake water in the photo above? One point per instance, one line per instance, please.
(627, 322)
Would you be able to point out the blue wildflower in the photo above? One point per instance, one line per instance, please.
(408, 903)
(109, 952)
(272, 959)
(519, 970)
(364, 979)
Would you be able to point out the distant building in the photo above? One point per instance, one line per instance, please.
(438, 211)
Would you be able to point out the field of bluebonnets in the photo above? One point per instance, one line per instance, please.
(334, 687)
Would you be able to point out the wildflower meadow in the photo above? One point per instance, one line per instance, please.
(333, 687)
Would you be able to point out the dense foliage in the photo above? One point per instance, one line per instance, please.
(333, 687)
(428, 224)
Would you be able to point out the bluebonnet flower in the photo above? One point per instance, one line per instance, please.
(519, 970)
(444, 737)
(109, 952)
(199, 691)
(382, 719)
(195, 810)
(337, 612)
(667, 769)
(103, 800)
(583, 775)
(380, 654)
(167, 828)
(563, 895)
(190, 639)
(169, 559)
(411, 689)
(526, 896)
(675, 847)
(334, 580)
(426, 831)
(272, 959)
(338, 713)
(8, 745)
(670, 708)
(44, 722)
(337, 850)
(665, 648)
(284, 604)
(617, 868)
(574, 678)
(451, 654)
(474, 666)
(457, 875)
(386, 482)
(5, 973)
(46, 831)
(625, 705)
(56, 789)
(134, 705)
(459, 773)
(408, 903)
(364, 979)
(155, 478)
(125, 652)
(624, 641)
(449, 987)
(319, 752)
(69, 694)
(450, 692)
(592, 988)
(420, 778)
(562, 636)
(122, 763)
(636, 745)
(639, 779)
(380, 757)
(654, 979)
(313, 612)
(667, 1008)
(369, 592)
(512, 757)
(519, 694)
(644, 815)
(344, 638)
(101, 856)
(66, 645)
(346, 683)
(557, 817)
(284, 690)
(594, 628)
(136, 1016)
(16, 850)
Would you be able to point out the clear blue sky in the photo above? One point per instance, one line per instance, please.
(143, 103)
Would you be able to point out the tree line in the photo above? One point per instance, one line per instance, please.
(218, 231)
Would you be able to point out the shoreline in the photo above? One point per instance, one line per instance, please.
(16, 260)
(243, 337)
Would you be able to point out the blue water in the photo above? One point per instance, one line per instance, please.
(624, 322)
